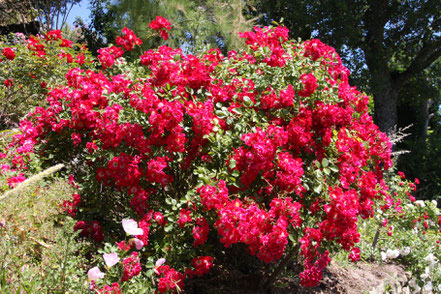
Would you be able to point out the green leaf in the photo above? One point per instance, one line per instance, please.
(318, 188)
(247, 101)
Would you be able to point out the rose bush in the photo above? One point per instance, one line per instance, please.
(29, 67)
(269, 150)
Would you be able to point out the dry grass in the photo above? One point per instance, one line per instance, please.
(31, 227)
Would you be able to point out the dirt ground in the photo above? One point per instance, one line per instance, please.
(352, 279)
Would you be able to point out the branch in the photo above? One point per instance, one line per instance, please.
(281, 266)
(430, 52)
(66, 15)
(375, 20)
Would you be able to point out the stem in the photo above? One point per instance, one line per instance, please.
(377, 234)
(270, 280)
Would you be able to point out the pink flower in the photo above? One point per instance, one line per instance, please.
(94, 274)
(130, 226)
(111, 259)
(8, 83)
(12, 182)
(185, 216)
(128, 39)
(138, 243)
(132, 267)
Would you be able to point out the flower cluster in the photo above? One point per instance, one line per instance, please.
(8, 53)
(169, 279)
(199, 146)
(162, 25)
(93, 230)
(132, 267)
(128, 39)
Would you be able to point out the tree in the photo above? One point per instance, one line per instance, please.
(197, 24)
(53, 13)
(13, 12)
(385, 42)
(419, 106)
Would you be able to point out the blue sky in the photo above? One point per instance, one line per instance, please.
(80, 10)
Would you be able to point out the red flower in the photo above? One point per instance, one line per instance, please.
(128, 39)
(310, 82)
(132, 267)
(54, 35)
(8, 83)
(9, 53)
(355, 254)
(66, 43)
(161, 23)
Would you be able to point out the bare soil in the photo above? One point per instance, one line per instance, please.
(351, 279)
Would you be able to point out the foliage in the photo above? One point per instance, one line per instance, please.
(392, 49)
(13, 12)
(408, 233)
(424, 143)
(385, 43)
(39, 253)
(53, 14)
(101, 29)
(198, 25)
(33, 66)
(267, 150)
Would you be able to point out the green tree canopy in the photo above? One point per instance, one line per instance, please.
(385, 43)
(197, 24)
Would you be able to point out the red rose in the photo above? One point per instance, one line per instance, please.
(161, 23)
(9, 53)
(310, 84)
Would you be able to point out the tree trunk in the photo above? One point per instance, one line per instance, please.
(426, 117)
(385, 109)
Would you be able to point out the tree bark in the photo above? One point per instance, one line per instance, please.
(385, 108)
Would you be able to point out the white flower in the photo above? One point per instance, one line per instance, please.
(130, 226)
(424, 276)
(391, 254)
(405, 251)
(111, 259)
(138, 244)
(383, 255)
(431, 260)
(435, 203)
(420, 203)
(94, 274)
(428, 287)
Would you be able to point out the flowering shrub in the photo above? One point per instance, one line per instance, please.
(409, 231)
(29, 67)
(270, 148)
